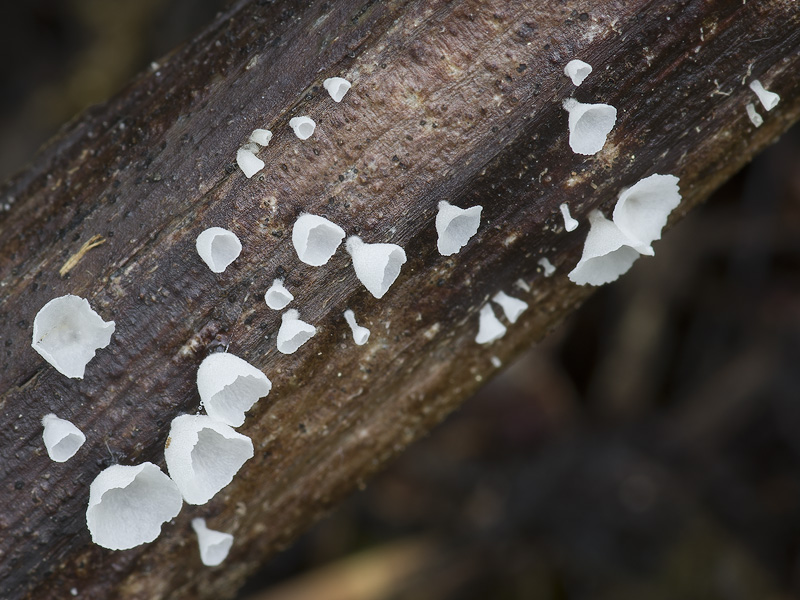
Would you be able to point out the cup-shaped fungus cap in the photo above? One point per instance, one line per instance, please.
(607, 253)
(755, 118)
(377, 265)
(360, 334)
(455, 226)
(261, 137)
(768, 99)
(570, 224)
(489, 326)
(203, 455)
(589, 125)
(61, 438)
(248, 162)
(277, 296)
(128, 505)
(218, 248)
(642, 210)
(577, 70)
(293, 332)
(229, 386)
(512, 307)
(548, 267)
(315, 239)
(67, 333)
(303, 127)
(214, 545)
(337, 87)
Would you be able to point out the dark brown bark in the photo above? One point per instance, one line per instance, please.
(451, 100)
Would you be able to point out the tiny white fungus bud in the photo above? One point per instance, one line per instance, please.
(129, 504)
(61, 438)
(203, 455)
(755, 118)
(570, 224)
(548, 267)
(577, 70)
(67, 333)
(512, 307)
(229, 386)
(360, 334)
(456, 226)
(337, 87)
(768, 99)
(496, 362)
(489, 326)
(315, 239)
(248, 162)
(293, 332)
(277, 296)
(261, 137)
(377, 266)
(214, 545)
(589, 125)
(218, 248)
(303, 127)
(523, 285)
(642, 210)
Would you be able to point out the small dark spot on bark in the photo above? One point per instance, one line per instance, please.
(341, 177)
(395, 159)
(440, 283)
(583, 16)
(521, 67)
(19, 484)
(230, 168)
(301, 427)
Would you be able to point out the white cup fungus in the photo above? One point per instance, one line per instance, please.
(755, 118)
(303, 127)
(577, 71)
(512, 307)
(360, 334)
(67, 333)
(589, 125)
(570, 224)
(642, 210)
(337, 87)
(61, 438)
(768, 99)
(277, 296)
(547, 267)
(455, 226)
(248, 162)
(316, 239)
(490, 328)
(293, 332)
(214, 545)
(218, 248)
(129, 504)
(229, 386)
(377, 266)
(262, 137)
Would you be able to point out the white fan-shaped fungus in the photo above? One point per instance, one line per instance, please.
(248, 162)
(642, 210)
(229, 386)
(61, 438)
(293, 332)
(489, 326)
(360, 334)
(214, 545)
(377, 265)
(277, 296)
(577, 70)
(303, 127)
(548, 267)
(203, 455)
(337, 87)
(262, 137)
(316, 239)
(607, 253)
(570, 224)
(768, 99)
(589, 125)
(67, 333)
(218, 248)
(755, 118)
(512, 307)
(129, 504)
(456, 226)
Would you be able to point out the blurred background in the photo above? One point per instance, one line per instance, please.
(650, 448)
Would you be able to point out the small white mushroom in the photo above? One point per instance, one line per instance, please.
(548, 267)
(607, 253)
(203, 455)
(67, 333)
(456, 226)
(377, 266)
(293, 332)
(248, 162)
(489, 326)
(522, 284)
(768, 99)
(360, 334)
(218, 248)
(316, 239)
(642, 210)
(577, 70)
(262, 137)
(512, 307)
(589, 125)
(214, 545)
(277, 296)
(129, 504)
(570, 224)
(755, 118)
(61, 438)
(229, 386)
(337, 87)
(303, 127)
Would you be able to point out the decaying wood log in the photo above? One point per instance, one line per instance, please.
(456, 100)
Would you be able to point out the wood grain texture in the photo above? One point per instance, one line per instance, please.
(457, 101)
